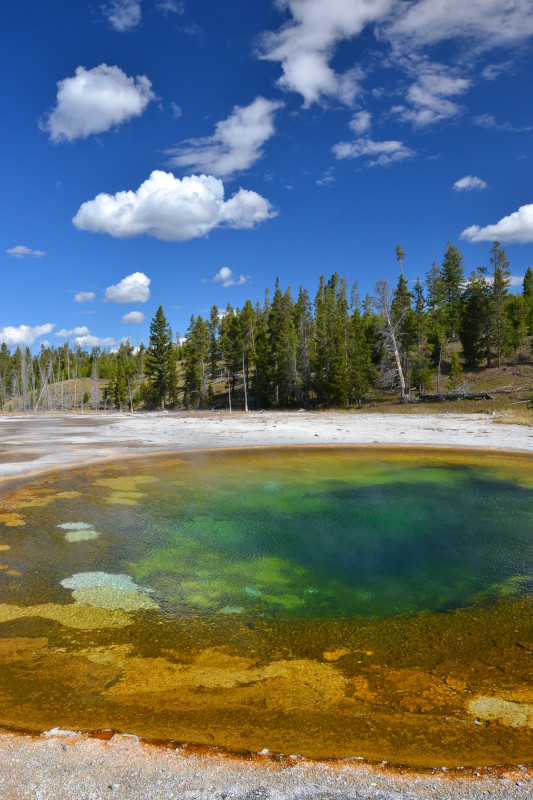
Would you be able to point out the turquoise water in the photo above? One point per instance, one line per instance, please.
(293, 534)
(427, 539)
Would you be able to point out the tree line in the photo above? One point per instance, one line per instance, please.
(329, 351)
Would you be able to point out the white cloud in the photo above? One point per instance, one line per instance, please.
(517, 228)
(306, 44)
(468, 183)
(170, 7)
(133, 318)
(84, 297)
(131, 289)
(123, 15)
(172, 209)
(68, 334)
(489, 121)
(94, 341)
(21, 251)
(235, 145)
(361, 122)
(23, 335)
(327, 178)
(429, 97)
(487, 22)
(177, 111)
(95, 100)
(493, 71)
(382, 154)
(227, 278)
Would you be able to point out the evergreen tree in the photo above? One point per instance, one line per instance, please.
(473, 331)
(500, 326)
(452, 283)
(456, 372)
(527, 293)
(196, 351)
(247, 342)
(160, 361)
(437, 322)
(420, 373)
(303, 319)
(516, 314)
(362, 371)
(212, 332)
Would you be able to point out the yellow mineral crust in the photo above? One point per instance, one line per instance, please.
(71, 616)
(112, 598)
(214, 669)
(334, 655)
(126, 483)
(124, 498)
(12, 520)
(506, 712)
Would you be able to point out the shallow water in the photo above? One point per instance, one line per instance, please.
(328, 602)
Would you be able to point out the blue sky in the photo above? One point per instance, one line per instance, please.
(187, 153)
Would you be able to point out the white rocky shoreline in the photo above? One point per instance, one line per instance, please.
(33, 442)
(64, 767)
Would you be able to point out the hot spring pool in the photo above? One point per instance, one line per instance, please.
(326, 602)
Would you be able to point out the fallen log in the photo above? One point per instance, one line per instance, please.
(444, 396)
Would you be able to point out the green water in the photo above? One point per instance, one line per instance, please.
(293, 534)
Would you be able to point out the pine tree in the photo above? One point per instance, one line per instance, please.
(247, 340)
(212, 331)
(362, 371)
(437, 323)
(196, 353)
(160, 362)
(473, 331)
(452, 283)
(500, 327)
(456, 372)
(420, 372)
(303, 316)
(527, 293)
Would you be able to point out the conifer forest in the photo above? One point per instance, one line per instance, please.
(415, 341)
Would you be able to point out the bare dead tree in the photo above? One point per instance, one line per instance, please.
(383, 304)
(95, 398)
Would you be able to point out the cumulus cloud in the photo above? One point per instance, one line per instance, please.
(69, 334)
(131, 289)
(95, 100)
(226, 277)
(84, 297)
(23, 335)
(305, 45)
(123, 15)
(21, 251)
(517, 228)
(468, 183)
(361, 122)
(133, 318)
(487, 22)
(172, 209)
(382, 154)
(94, 341)
(234, 146)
